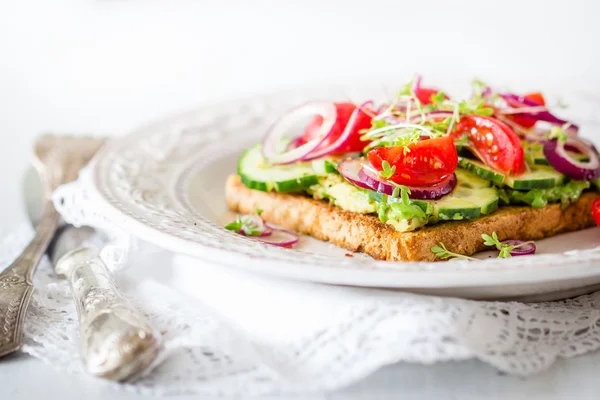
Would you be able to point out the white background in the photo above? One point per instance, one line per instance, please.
(104, 67)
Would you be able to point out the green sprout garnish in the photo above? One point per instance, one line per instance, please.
(558, 133)
(388, 170)
(396, 192)
(404, 192)
(245, 224)
(502, 247)
(442, 252)
(437, 99)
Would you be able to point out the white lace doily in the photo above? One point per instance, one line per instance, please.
(225, 334)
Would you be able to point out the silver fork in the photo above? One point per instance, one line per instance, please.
(58, 159)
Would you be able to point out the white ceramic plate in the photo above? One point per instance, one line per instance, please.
(164, 183)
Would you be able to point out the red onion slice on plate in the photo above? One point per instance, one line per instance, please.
(522, 249)
(280, 236)
(281, 131)
(557, 156)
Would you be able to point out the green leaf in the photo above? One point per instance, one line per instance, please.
(404, 193)
(396, 192)
(436, 249)
(388, 170)
(443, 253)
(235, 226)
(488, 240)
(558, 133)
(438, 98)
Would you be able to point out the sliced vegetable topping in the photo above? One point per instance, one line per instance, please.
(562, 161)
(496, 143)
(369, 176)
(350, 170)
(275, 147)
(424, 163)
(531, 110)
(345, 135)
(364, 176)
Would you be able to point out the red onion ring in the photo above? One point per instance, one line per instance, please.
(272, 143)
(321, 152)
(521, 102)
(523, 250)
(350, 170)
(280, 236)
(354, 171)
(370, 177)
(557, 156)
(417, 83)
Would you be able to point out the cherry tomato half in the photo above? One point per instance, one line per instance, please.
(344, 112)
(497, 143)
(426, 163)
(596, 210)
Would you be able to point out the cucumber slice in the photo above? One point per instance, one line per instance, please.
(539, 158)
(469, 180)
(257, 174)
(465, 203)
(481, 170)
(471, 198)
(323, 167)
(538, 178)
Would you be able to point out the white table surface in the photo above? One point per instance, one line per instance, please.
(107, 66)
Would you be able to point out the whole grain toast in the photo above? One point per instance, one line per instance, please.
(367, 234)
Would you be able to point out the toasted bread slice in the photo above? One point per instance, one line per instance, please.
(365, 233)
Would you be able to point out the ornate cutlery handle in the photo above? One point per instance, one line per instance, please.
(16, 287)
(117, 342)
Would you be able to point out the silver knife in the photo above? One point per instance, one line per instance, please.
(117, 342)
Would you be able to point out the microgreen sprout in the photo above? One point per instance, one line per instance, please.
(442, 252)
(250, 225)
(558, 133)
(388, 170)
(503, 248)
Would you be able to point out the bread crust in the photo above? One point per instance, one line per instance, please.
(365, 233)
